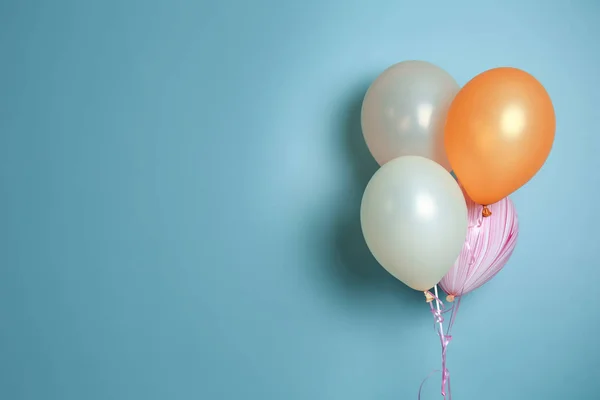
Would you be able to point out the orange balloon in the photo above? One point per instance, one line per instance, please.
(499, 132)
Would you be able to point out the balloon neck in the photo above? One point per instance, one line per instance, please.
(486, 212)
(428, 297)
(450, 298)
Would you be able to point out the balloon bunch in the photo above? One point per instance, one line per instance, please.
(420, 223)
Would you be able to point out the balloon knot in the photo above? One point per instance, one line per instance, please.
(428, 297)
(450, 298)
(486, 212)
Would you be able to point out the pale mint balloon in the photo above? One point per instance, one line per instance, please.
(414, 220)
(404, 112)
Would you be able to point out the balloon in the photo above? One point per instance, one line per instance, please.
(499, 133)
(414, 220)
(404, 111)
(490, 243)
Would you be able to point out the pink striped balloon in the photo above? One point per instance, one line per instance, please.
(490, 243)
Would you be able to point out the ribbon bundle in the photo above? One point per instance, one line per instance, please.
(445, 338)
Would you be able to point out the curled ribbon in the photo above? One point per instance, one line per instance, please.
(445, 339)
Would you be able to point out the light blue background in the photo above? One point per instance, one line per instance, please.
(180, 187)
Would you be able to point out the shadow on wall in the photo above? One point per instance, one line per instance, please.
(348, 260)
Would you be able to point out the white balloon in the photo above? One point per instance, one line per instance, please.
(404, 112)
(414, 220)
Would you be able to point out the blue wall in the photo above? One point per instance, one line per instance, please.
(180, 191)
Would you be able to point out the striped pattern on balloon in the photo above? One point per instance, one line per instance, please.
(489, 244)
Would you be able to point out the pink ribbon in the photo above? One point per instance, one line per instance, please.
(445, 340)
